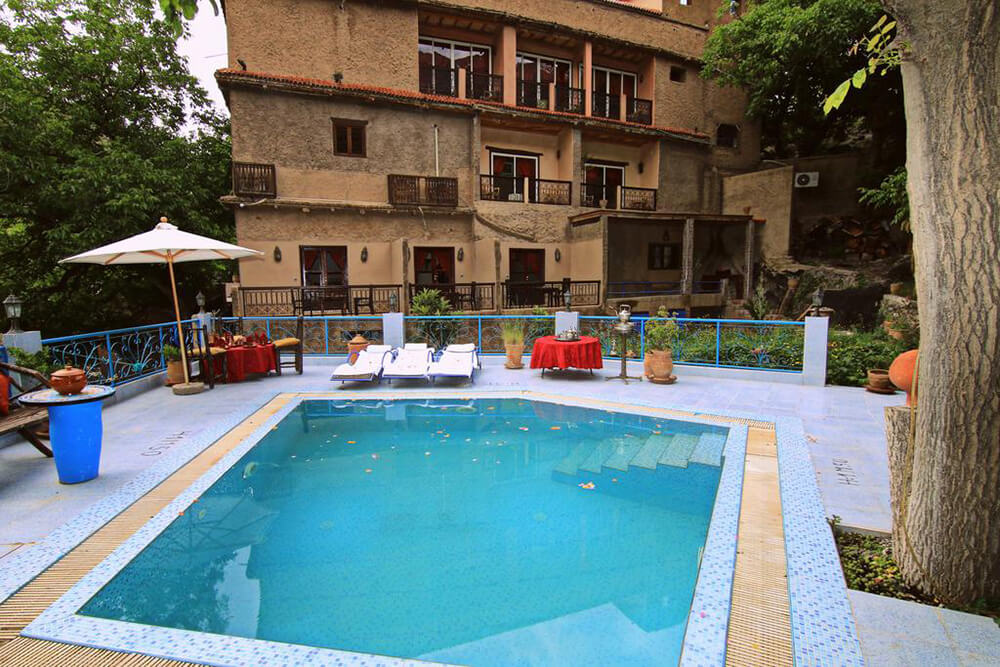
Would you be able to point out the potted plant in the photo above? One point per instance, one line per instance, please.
(661, 332)
(175, 369)
(513, 332)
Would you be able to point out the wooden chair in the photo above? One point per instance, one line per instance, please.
(23, 418)
(200, 349)
(292, 347)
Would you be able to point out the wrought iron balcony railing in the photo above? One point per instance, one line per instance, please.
(638, 110)
(482, 86)
(439, 81)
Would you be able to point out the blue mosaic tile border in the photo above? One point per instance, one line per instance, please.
(707, 625)
(823, 629)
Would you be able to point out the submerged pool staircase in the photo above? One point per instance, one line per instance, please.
(620, 453)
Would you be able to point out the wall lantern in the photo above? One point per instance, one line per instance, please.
(277, 254)
(461, 254)
(642, 167)
(568, 300)
(364, 254)
(558, 255)
(12, 306)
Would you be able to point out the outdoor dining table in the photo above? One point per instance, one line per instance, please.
(242, 360)
(550, 352)
(75, 429)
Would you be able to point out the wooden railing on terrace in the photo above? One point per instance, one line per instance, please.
(325, 300)
(423, 190)
(462, 296)
(251, 179)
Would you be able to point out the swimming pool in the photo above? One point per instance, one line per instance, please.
(486, 531)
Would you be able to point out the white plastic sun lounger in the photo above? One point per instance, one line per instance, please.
(412, 362)
(367, 367)
(457, 361)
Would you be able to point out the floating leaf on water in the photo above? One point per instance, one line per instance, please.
(249, 469)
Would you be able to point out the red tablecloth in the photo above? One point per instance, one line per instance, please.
(242, 360)
(551, 353)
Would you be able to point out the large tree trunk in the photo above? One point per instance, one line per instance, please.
(948, 536)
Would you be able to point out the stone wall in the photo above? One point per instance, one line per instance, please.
(768, 195)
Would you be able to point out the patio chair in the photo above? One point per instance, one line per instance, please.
(291, 348)
(457, 361)
(412, 362)
(23, 419)
(368, 367)
(199, 349)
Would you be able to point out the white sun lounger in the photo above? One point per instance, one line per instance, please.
(457, 361)
(367, 367)
(412, 362)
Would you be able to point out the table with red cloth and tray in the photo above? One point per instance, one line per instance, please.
(256, 355)
(549, 352)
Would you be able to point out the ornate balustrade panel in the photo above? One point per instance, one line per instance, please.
(546, 191)
(639, 111)
(439, 332)
(606, 106)
(501, 188)
(251, 179)
(532, 94)
(532, 326)
(598, 195)
(569, 100)
(747, 344)
(483, 86)
(320, 335)
(602, 328)
(461, 296)
(422, 190)
(318, 301)
(639, 199)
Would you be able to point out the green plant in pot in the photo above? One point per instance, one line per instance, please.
(661, 332)
(175, 369)
(513, 332)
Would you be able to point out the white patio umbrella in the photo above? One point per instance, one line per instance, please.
(165, 244)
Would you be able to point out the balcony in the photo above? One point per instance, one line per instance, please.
(318, 300)
(487, 87)
(604, 105)
(439, 81)
(461, 296)
(251, 179)
(445, 81)
(513, 188)
(599, 195)
(422, 190)
(639, 110)
(537, 96)
(550, 294)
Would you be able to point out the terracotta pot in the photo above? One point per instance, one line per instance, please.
(903, 373)
(659, 366)
(893, 333)
(878, 378)
(895, 288)
(68, 380)
(175, 372)
(514, 353)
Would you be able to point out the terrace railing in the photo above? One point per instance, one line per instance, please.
(638, 110)
(321, 335)
(501, 188)
(598, 195)
(483, 86)
(550, 294)
(327, 300)
(439, 81)
(423, 190)
(117, 356)
(251, 179)
(638, 199)
(547, 191)
(604, 105)
(461, 296)
(513, 188)
(617, 290)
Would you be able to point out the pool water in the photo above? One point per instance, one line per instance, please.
(482, 532)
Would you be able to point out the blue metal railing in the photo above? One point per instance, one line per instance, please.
(117, 356)
(122, 355)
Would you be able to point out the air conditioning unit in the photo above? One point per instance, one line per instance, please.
(807, 179)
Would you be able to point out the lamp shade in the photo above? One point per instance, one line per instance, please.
(12, 307)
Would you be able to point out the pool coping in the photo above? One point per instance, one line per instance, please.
(821, 617)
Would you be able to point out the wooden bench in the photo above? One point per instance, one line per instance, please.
(22, 418)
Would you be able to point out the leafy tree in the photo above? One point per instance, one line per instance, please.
(103, 130)
(787, 54)
(890, 196)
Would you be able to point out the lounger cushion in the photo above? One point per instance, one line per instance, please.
(287, 342)
(464, 347)
(415, 346)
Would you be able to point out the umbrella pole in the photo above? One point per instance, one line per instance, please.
(177, 312)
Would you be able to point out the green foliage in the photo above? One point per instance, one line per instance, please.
(758, 305)
(514, 331)
(171, 352)
(786, 54)
(437, 333)
(661, 331)
(40, 361)
(175, 12)
(103, 131)
(882, 53)
(890, 197)
(851, 354)
(430, 302)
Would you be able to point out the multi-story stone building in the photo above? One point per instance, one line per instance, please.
(503, 151)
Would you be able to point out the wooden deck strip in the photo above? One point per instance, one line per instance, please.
(759, 628)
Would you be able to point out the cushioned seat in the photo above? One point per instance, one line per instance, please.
(286, 342)
(212, 351)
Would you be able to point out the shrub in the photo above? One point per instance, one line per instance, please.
(851, 354)
(171, 352)
(437, 333)
(513, 331)
(661, 332)
(40, 361)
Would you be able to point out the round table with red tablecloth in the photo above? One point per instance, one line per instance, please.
(549, 352)
(241, 360)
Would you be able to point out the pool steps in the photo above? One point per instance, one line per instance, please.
(677, 450)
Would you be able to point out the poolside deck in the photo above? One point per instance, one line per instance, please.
(843, 427)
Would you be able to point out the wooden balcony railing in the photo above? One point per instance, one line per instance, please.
(639, 110)
(638, 199)
(550, 294)
(482, 86)
(439, 81)
(461, 296)
(546, 191)
(251, 179)
(518, 189)
(319, 300)
(422, 190)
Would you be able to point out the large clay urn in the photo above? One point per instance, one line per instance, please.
(514, 354)
(659, 366)
(68, 380)
(903, 372)
(354, 348)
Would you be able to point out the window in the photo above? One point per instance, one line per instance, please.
(664, 256)
(603, 182)
(678, 74)
(685, 3)
(323, 266)
(440, 58)
(509, 169)
(527, 265)
(349, 137)
(727, 136)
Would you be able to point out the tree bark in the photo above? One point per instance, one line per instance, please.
(951, 84)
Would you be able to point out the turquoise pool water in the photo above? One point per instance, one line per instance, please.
(481, 532)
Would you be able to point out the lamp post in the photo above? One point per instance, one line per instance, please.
(12, 306)
(568, 300)
(393, 302)
(624, 327)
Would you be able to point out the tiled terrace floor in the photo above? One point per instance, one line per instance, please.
(843, 426)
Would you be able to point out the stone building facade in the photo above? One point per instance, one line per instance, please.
(502, 151)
